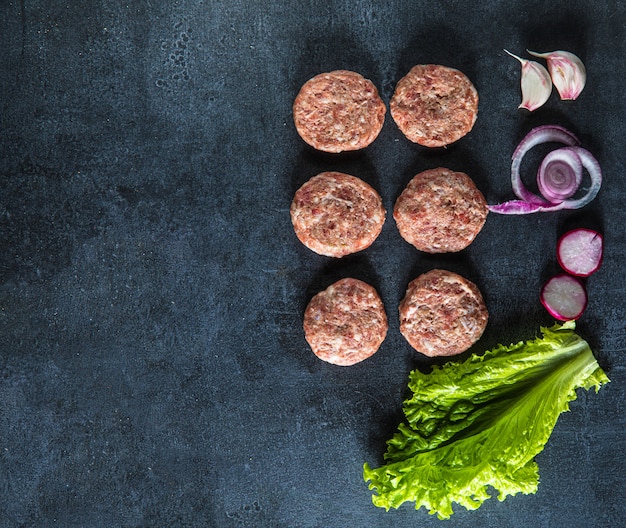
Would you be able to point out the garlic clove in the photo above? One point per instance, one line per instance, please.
(567, 71)
(536, 84)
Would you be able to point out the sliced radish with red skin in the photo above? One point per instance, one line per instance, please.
(565, 297)
(579, 251)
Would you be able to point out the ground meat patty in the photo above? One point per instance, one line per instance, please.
(434, 105)
(346, 323)
(442, 313)
(335, 214)
(440, 211)
(338, 111)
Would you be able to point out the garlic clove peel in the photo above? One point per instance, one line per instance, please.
(536, 84)
(567, 71)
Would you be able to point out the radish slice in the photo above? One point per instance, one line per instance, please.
(579, 251)
(565, 297)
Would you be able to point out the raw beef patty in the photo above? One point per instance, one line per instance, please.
(338, 111)
(440, 211)
(442, 313)
(335, 214)
(346, 323)
(434, 105)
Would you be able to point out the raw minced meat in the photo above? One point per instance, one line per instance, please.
(434, 105)
(440, 211)
(336, 214)
(346, 323)
(442, 313)
(338, 111)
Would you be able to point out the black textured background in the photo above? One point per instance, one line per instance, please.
(153, 366)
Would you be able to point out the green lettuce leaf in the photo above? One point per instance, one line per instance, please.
(480, 423)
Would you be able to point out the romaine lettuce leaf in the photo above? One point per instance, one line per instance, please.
(480, 423)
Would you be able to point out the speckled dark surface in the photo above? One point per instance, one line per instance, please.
(154, 369)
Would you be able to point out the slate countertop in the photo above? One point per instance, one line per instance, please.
(154, 368)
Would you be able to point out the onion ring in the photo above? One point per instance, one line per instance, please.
(595, 173)
(559, 175)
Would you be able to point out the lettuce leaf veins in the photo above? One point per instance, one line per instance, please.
(480, 423)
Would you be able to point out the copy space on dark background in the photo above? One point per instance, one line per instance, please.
(154, 367)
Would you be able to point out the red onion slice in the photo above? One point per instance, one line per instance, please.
(517, 207)
(558, 178)
(537, 136)
(595, 173)
(560, 174)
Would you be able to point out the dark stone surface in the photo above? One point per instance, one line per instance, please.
(154, 370)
